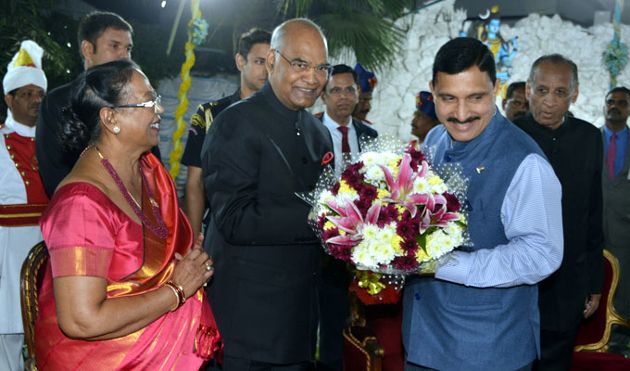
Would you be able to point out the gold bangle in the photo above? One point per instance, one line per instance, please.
(180, 293)
(176, 297)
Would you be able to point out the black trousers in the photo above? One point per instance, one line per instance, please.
(556, 350)
(333, 314)
(239, 364)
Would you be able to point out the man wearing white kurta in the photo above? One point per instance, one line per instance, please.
(22, 195)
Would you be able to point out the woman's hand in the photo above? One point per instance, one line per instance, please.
(193, 270)
(85, 312)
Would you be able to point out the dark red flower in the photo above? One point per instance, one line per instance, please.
(330, 233)
(340, 252)
(363, 205)
(321, 220)
(409, 244)
(335, 189)
(352, 175)
(406, 263)
(407, 229)
(452, 203)
(354, 167)
(388, 214)
(392, 211)
(417, 156)
(353, 178)
(367, 192)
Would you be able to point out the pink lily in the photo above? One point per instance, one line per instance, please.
(350, 220)
(401, 187)
(349, 216)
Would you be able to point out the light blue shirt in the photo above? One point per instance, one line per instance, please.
(532, 217)
(622, 147)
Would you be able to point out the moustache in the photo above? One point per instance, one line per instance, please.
(466, 121)
(614, 110)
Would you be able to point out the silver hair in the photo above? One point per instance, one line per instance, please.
(557, 59)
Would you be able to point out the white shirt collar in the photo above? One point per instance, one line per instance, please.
(329, 122)
(21, 129)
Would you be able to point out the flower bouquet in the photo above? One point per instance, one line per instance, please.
(390, 213)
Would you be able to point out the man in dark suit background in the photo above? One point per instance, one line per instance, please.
(574, 149)
(256, 156)
(616, 195)
(103, 37)
(340, 96)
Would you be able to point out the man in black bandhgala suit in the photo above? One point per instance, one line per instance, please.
(256, 156)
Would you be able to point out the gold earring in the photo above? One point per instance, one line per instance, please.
(116, 130)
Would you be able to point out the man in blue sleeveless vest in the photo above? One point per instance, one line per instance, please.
(479, 311)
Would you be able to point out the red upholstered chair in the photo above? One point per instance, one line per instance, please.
(385, 320)
(373, 341)
(361, 349)
(595, 361)
(594, 333)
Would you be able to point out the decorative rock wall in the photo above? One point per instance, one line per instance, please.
(394, 98)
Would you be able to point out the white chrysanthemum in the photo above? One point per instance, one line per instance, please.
(376, 247)
(362, 256)
(436, 183)
(456, 232)
(421, 186)
(372, 162)
(439, 243)
(453, 228)
(374, 175)
(369, 159)
(369, 232)
(387, 233)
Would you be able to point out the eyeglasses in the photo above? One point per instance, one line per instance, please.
(156, 104)
(301, 66)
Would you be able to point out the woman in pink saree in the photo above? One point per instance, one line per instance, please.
(123, 288)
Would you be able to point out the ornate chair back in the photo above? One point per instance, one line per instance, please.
(594, 332)
(30, 279)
